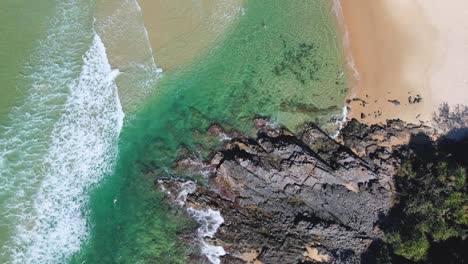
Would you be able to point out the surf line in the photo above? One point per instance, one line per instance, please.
(148, 42)
(338, 11)
(82, 151)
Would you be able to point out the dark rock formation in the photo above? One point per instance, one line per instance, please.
(395, 102)
(298, 198)
(415, 100)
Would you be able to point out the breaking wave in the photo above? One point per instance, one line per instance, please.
(83, 149)
(60, 142)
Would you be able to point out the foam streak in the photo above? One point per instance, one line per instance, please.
(82, 150)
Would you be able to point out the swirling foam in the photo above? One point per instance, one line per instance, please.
(61, 141)
(82, 150)
(47, 76)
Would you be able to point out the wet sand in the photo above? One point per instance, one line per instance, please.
(392, 43)
(179, 30)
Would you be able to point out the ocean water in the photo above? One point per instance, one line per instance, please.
(59, 140)
(77, 175)
(21, 22)
(121, 26)
(280, 59)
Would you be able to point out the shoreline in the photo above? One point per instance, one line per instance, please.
(242, 237)
(404, 58)
(387, 66)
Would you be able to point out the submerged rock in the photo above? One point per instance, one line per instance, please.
(299, 198)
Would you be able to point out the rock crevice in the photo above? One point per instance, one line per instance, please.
(285, 196)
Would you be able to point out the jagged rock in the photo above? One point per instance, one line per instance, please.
(298, 198)
(294, 198)
(218, 131)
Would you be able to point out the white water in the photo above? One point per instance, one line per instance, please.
(341, 122)
(186, 189)
(60, 142)
(82, 151)
(227, 11)
(209, 220)
(338, 10)
(24, 142)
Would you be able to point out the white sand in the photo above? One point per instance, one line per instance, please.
(449, 71)
(407, 47)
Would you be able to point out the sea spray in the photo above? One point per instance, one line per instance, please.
(209, 221)
(186, 188)
(340, 122)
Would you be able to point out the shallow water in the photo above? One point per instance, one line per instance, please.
(59, 139)
(179, 29)
(279, 59)
(121, 26)
(21, 22)
(44, 78)
(77, 183)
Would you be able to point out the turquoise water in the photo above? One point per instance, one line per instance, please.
(280, 59)
(78, 182)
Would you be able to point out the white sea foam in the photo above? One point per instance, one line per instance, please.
(209, 220)
(227, 11)
(127, 40)
(148, 43)
(82, 150)
(338, 10)
(341, 122)
(138, 6)
(61, 140)
(186, 189)
(24, 141)
(212, 252)
(224, 137)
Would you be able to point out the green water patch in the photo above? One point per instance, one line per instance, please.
(280, 59)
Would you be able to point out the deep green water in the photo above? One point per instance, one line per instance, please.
(281, 59)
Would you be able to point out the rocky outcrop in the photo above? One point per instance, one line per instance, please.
(301, 198)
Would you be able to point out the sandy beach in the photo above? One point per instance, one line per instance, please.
(406, 57)
(449, 80)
